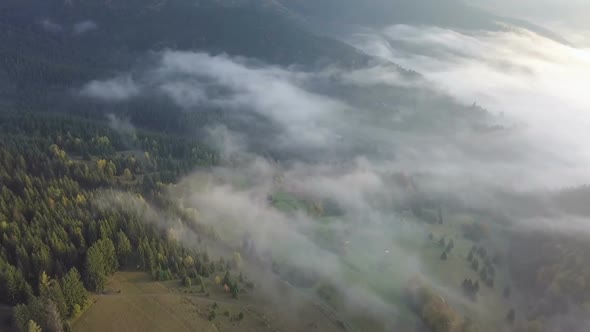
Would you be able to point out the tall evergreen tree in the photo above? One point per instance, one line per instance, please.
(75, 294)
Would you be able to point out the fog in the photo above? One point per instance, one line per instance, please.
(567, 18)
(489, 113)
(83, 27)
(532, 82)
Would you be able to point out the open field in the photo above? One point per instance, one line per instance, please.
(456, 268)
(133, 302)
(141, 305)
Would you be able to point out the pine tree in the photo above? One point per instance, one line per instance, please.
(123, 248)
(53, 320)
(96, 268)
(55, 294)
(33, 327)
(511, 316)
(74, 292)
(227, 279)
(109, 255)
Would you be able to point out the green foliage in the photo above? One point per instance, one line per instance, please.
(475, 231)
(13, 286)
(511, 316)
(202, 284)
(124, 248)
(96, 268)
(21, 316)
(54, 293)
(235, 290)
(186, 282)
(53, 171)
(42, 311)
(101, 261)
(75, 294)
(33, 327)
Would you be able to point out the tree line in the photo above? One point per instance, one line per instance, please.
(56, 243)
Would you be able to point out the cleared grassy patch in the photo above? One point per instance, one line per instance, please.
(133, 302)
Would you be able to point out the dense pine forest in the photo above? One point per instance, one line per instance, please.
(56, 243)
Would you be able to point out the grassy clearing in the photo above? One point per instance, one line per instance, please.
(287, 202)
(141, 305)
(133, 302)
(491, 306)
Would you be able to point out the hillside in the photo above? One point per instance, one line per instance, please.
(268, 165)
(45, 53)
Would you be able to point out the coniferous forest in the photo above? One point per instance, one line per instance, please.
(56, 244)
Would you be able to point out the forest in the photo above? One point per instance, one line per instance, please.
(56, 244)
(330, 143)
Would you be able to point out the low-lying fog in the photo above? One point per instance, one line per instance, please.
(489, 112)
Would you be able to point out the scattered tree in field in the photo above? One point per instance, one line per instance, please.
(188, 262)
(237, 260)
(511, 316)
(450, 245)
(470, 289)
(235, 290)
(227, 279)
(202, 284)
(483, 274)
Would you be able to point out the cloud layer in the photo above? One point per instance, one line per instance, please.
(533, 82)
(379, 136)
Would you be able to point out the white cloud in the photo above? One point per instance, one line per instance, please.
(50, 26)
(115, 89)
(84, 27)
(271, 91)
(536, 83)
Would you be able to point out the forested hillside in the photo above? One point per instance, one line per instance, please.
(50, 47)
(56, 242)
(269, 165)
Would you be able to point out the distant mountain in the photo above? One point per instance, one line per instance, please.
(336, 14)
(49, 46)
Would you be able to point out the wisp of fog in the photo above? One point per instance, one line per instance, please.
(515, 121)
